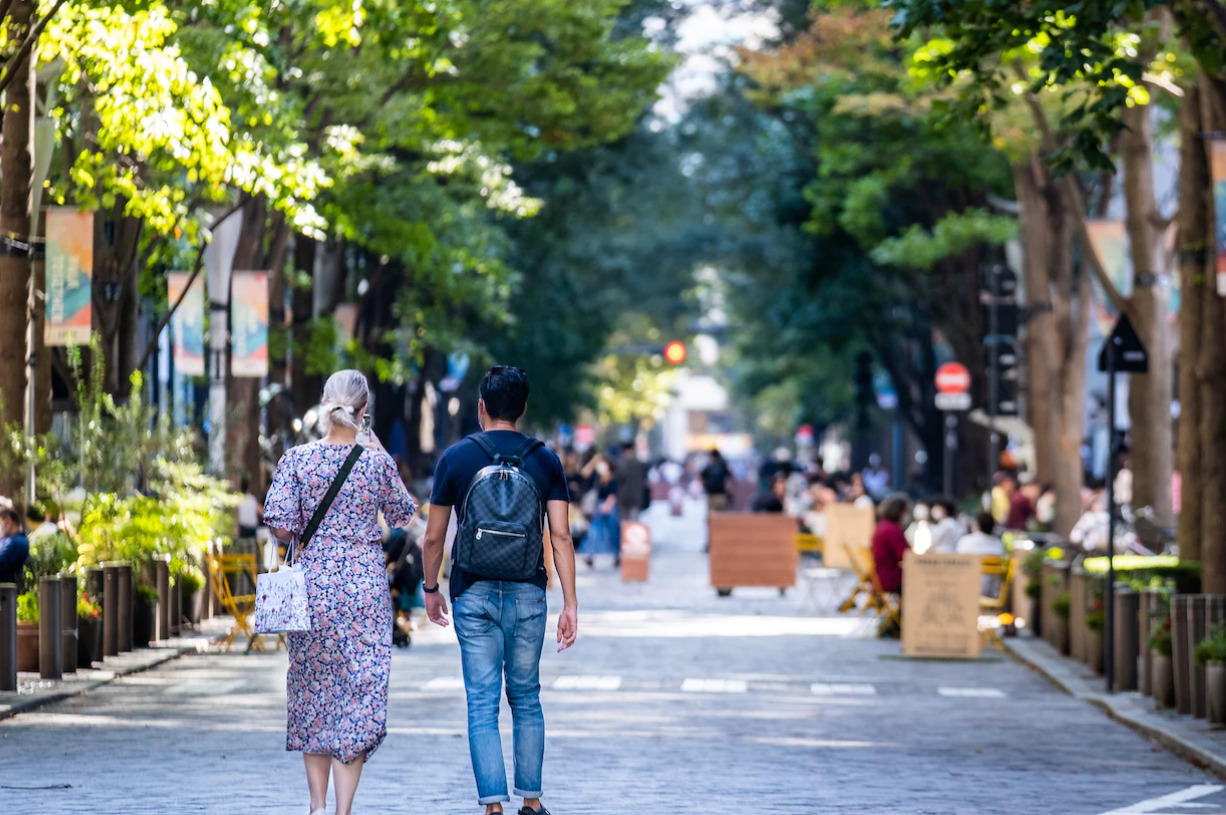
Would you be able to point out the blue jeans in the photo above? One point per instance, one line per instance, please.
(501, 628)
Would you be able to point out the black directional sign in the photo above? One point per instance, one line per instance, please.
(1130, 354)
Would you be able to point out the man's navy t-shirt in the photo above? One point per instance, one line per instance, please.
(459, 466)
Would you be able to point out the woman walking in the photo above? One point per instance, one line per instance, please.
(339, 670)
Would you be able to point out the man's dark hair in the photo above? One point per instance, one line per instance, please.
(627, 447)
(505, 393)
(717, 455)
(895, 507)
(985, 523)
(9, 514)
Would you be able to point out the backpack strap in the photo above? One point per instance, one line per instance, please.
(481, 441)
(526, 449)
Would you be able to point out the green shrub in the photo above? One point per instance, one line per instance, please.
(190, 580)
(1062, 605)
(146, 593)
(1161, 641)
(1096, 621)
(87, 609)
(27, 607)
(1034, 589)
(1213, 647)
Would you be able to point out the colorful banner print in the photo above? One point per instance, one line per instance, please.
(70, 271)
(1219, 202)
(187, 324)
(346, 315)
(249, 324)
(1110, 240)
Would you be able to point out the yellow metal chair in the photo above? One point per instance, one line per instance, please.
(886, 607)
(227, 571)
(808, 544)
(1002, 567)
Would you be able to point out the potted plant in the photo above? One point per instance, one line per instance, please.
(1161, 646)
(89, 628)
(190, 581)
(1211, 653)
(1062, 607)
(27, 631)
(1096, 621)
(146, 598)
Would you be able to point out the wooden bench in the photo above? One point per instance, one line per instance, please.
(752, 550)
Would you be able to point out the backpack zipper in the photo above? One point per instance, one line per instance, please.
(481, 532)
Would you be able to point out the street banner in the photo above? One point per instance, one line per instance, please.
(1109, 237)
(1219, 203)
(346, 316)
(846, 525)
(249, 324)
(187, 324)
(70, 270)
(940, 605)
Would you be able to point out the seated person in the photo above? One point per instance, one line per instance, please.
(773, 501)
(983, 542)
(14, 548)
(946, 528)
(889, 543)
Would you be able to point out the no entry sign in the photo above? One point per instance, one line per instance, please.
(952, 377)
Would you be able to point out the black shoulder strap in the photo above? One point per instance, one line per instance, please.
(526, 449)
(326, 504)
(481, 441)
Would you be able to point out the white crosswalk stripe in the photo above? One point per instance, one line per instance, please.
(714, 686)
(842, 689)
(446, 683)
(972, 693)
(587, 683)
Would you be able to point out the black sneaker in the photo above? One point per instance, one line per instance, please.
(526, 811)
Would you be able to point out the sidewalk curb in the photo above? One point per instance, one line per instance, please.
(160, 656)
(1116, 706)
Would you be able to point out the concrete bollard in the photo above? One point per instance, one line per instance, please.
(161, 620)
(8, 636)
(211, 606)
(1078, 598)
(124, 588)
(1127, 638)
(1151, 602)
(50, 629)
(1181, 657)
(110, 609)
(1198, 629)
(68, 612)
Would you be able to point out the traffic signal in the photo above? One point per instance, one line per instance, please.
(675, 352)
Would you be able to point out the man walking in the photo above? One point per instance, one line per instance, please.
(631, 484)
(501, 483)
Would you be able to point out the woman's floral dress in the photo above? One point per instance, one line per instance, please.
(339, 670)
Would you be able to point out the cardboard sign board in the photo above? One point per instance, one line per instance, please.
(636, 552)
(940, 605)
(846, 525)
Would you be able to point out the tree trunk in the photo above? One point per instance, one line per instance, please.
(1040, 335)
(1149, 394)
(306, 388)
(1212, 370)
(42, 373)
(115, 295)
(16, 169)
(1195, 286)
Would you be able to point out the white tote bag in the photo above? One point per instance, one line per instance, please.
(281, 593)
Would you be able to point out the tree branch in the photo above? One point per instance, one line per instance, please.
(27, 45)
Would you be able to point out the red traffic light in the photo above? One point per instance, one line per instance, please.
(675, 352)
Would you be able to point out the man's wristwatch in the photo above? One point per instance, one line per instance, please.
(429, 590)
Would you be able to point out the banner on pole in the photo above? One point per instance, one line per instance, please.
(346, 315)
(1219, 203)
(249, 324)
(70, 270)
(187, 324)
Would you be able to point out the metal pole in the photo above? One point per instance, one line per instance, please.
(951, 447)
(110, 609)
(69, 633)
(124, 619)
(1108, 604)
(993, 370)
(8, 637)
(50, 629)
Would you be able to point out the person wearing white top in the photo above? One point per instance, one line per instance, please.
(983, 542)
(250, 513)
(947, 530)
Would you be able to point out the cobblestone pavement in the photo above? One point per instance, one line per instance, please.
(672, 702)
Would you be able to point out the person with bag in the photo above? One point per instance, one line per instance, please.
(504, 486)
(324, 501)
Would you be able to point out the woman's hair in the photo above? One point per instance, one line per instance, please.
(346, 394)
(894, 507)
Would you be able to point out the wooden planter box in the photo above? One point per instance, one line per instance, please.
(752, 550)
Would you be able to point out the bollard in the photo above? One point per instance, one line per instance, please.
(1078, 597)
(110, 609)
(161, 620)
(124, 622)
(1127, 638)
(8, 636)
(211, 608)
(50, 629)
(68, 613)
(1151, 601)
(1181, 658)
(176, 609)
(1198, 629)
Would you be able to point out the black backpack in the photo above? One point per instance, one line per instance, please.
(502, 519)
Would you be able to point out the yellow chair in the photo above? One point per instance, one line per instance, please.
(226, 571)
(885, 606)
(1002, 567)
(808, 544)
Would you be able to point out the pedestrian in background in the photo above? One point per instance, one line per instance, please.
(604, 535)
(876, 478)
(250, 513)
(631, 484)
(715, 477)
(946, 528)
(14, 546)
(339, 669)
(889, 543)
(772, 501)
(501, 623)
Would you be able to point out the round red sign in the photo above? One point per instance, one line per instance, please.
(952, 377)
